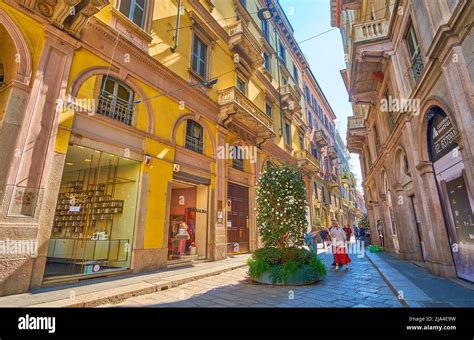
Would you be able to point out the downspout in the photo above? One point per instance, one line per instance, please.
(178, 20)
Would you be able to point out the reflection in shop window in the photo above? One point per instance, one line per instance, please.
(95, 212)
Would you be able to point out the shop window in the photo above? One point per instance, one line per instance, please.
(94, 219)
(194, 136)
(116, 100)
(237, 159)
(414, 53)
(287, 134)
(199, 57)
(134, 10)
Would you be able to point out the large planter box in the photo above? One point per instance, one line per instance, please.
(297, 279)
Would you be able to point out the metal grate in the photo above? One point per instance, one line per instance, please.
(115, 108)
(417, 66)
(194, 144)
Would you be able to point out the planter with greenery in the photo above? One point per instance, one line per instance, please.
(282, 225)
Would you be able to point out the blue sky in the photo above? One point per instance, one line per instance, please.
(325, 55)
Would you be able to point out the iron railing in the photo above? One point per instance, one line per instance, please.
(115, 108)
(194, 143)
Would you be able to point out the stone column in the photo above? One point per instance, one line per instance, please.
(386, 225)
(253, 178)
(439, 259)
(218, 231)
(35, 173)
(406, 227)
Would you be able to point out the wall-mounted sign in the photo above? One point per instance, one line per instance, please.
(441, 134)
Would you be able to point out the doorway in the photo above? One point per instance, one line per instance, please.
(237, 219)
(187, 233)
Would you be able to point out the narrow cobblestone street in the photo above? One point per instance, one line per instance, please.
(361, 286)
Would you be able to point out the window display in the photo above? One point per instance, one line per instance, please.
(94, 219)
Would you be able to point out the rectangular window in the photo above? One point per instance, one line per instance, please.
(265, 29)
(323, 195)
(268, 109)
(199, 57)
(244, 3)
(310, 119)
(282, 54)
(266, 62)
(414, 53)
(241, 85)
(134, 10)
(237, 160)
(315, 190)
(301, 141)
(284, 80)
(287, 134)
(295, 74)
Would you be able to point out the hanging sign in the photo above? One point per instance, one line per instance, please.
(442, 136)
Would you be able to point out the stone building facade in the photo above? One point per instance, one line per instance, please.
(409, 76)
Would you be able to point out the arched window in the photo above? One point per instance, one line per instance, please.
(194, 136)
(116, 100)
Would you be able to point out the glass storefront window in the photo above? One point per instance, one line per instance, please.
(95, 214)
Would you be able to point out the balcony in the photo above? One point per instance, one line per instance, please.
(249, 49)
(307, 161)
(371, 30)
(319, 138)
(241, 115)
(371, 47)
(356, 133)
(331, 152)
(290, 100)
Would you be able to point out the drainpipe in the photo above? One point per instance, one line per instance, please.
(278, 69)
(178, 20)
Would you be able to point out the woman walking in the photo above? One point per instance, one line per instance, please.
(339, 239)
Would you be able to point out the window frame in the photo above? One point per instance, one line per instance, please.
(132, 8)
(200, 147)
(112, 97)
(198, 39)
(288, 134)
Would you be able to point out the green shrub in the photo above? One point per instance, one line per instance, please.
(282, 263)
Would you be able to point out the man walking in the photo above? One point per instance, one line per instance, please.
(324, 236)
(356, 232)
(380, 232)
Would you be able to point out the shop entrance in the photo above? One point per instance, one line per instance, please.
(187, 234)
(95, 214)
(456, 199)
(237, 219)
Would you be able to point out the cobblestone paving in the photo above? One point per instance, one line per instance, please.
(361, 286)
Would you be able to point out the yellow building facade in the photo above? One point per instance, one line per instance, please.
(133, 132)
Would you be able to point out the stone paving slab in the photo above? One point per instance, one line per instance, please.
(419, 287)
(361, 287)
(103, 291)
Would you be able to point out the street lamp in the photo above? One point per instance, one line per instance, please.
(266, 14)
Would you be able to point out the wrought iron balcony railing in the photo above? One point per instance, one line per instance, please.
(115, 108)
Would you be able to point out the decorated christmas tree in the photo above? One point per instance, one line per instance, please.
(281, 206)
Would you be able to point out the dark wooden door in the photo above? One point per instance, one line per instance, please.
(237, 219)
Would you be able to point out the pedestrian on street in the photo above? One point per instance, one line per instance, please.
(380, 232)
(310, 239)
(324, 236)
(331, 229)
(347, 229)
(339, 239)
(362, 233)
(356, 232)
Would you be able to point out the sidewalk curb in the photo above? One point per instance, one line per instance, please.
(387, 281)
(118, 294)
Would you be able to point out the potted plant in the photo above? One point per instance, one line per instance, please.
(282, 225)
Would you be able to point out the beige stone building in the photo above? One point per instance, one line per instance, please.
(410, 76)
